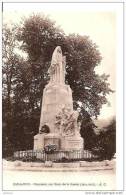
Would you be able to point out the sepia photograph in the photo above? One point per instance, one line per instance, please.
(60, 117)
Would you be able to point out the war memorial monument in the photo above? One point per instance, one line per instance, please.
(57, 112)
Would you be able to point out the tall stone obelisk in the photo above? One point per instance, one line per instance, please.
(56, 96)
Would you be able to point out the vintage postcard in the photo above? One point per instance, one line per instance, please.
(62, 96)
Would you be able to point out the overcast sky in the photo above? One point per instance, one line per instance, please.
(94, 20)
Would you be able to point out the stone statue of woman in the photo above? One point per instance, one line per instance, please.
(57, 68)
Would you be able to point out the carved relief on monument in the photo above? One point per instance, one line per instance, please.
(66, 122)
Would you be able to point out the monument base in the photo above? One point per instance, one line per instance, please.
(39, 141)
(72, 143)
(65, 143)
(42, 140)
(52, 139)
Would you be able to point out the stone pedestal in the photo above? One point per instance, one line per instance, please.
(54, 97)
(65, 143)
(42, 140)
(72, 143)
(52, 139)
(39, 141)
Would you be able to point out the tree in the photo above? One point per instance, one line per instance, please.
(16, 110)
(40, 36)
(88, 131)
(88, 88)
(106, 141)
(10, 61)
